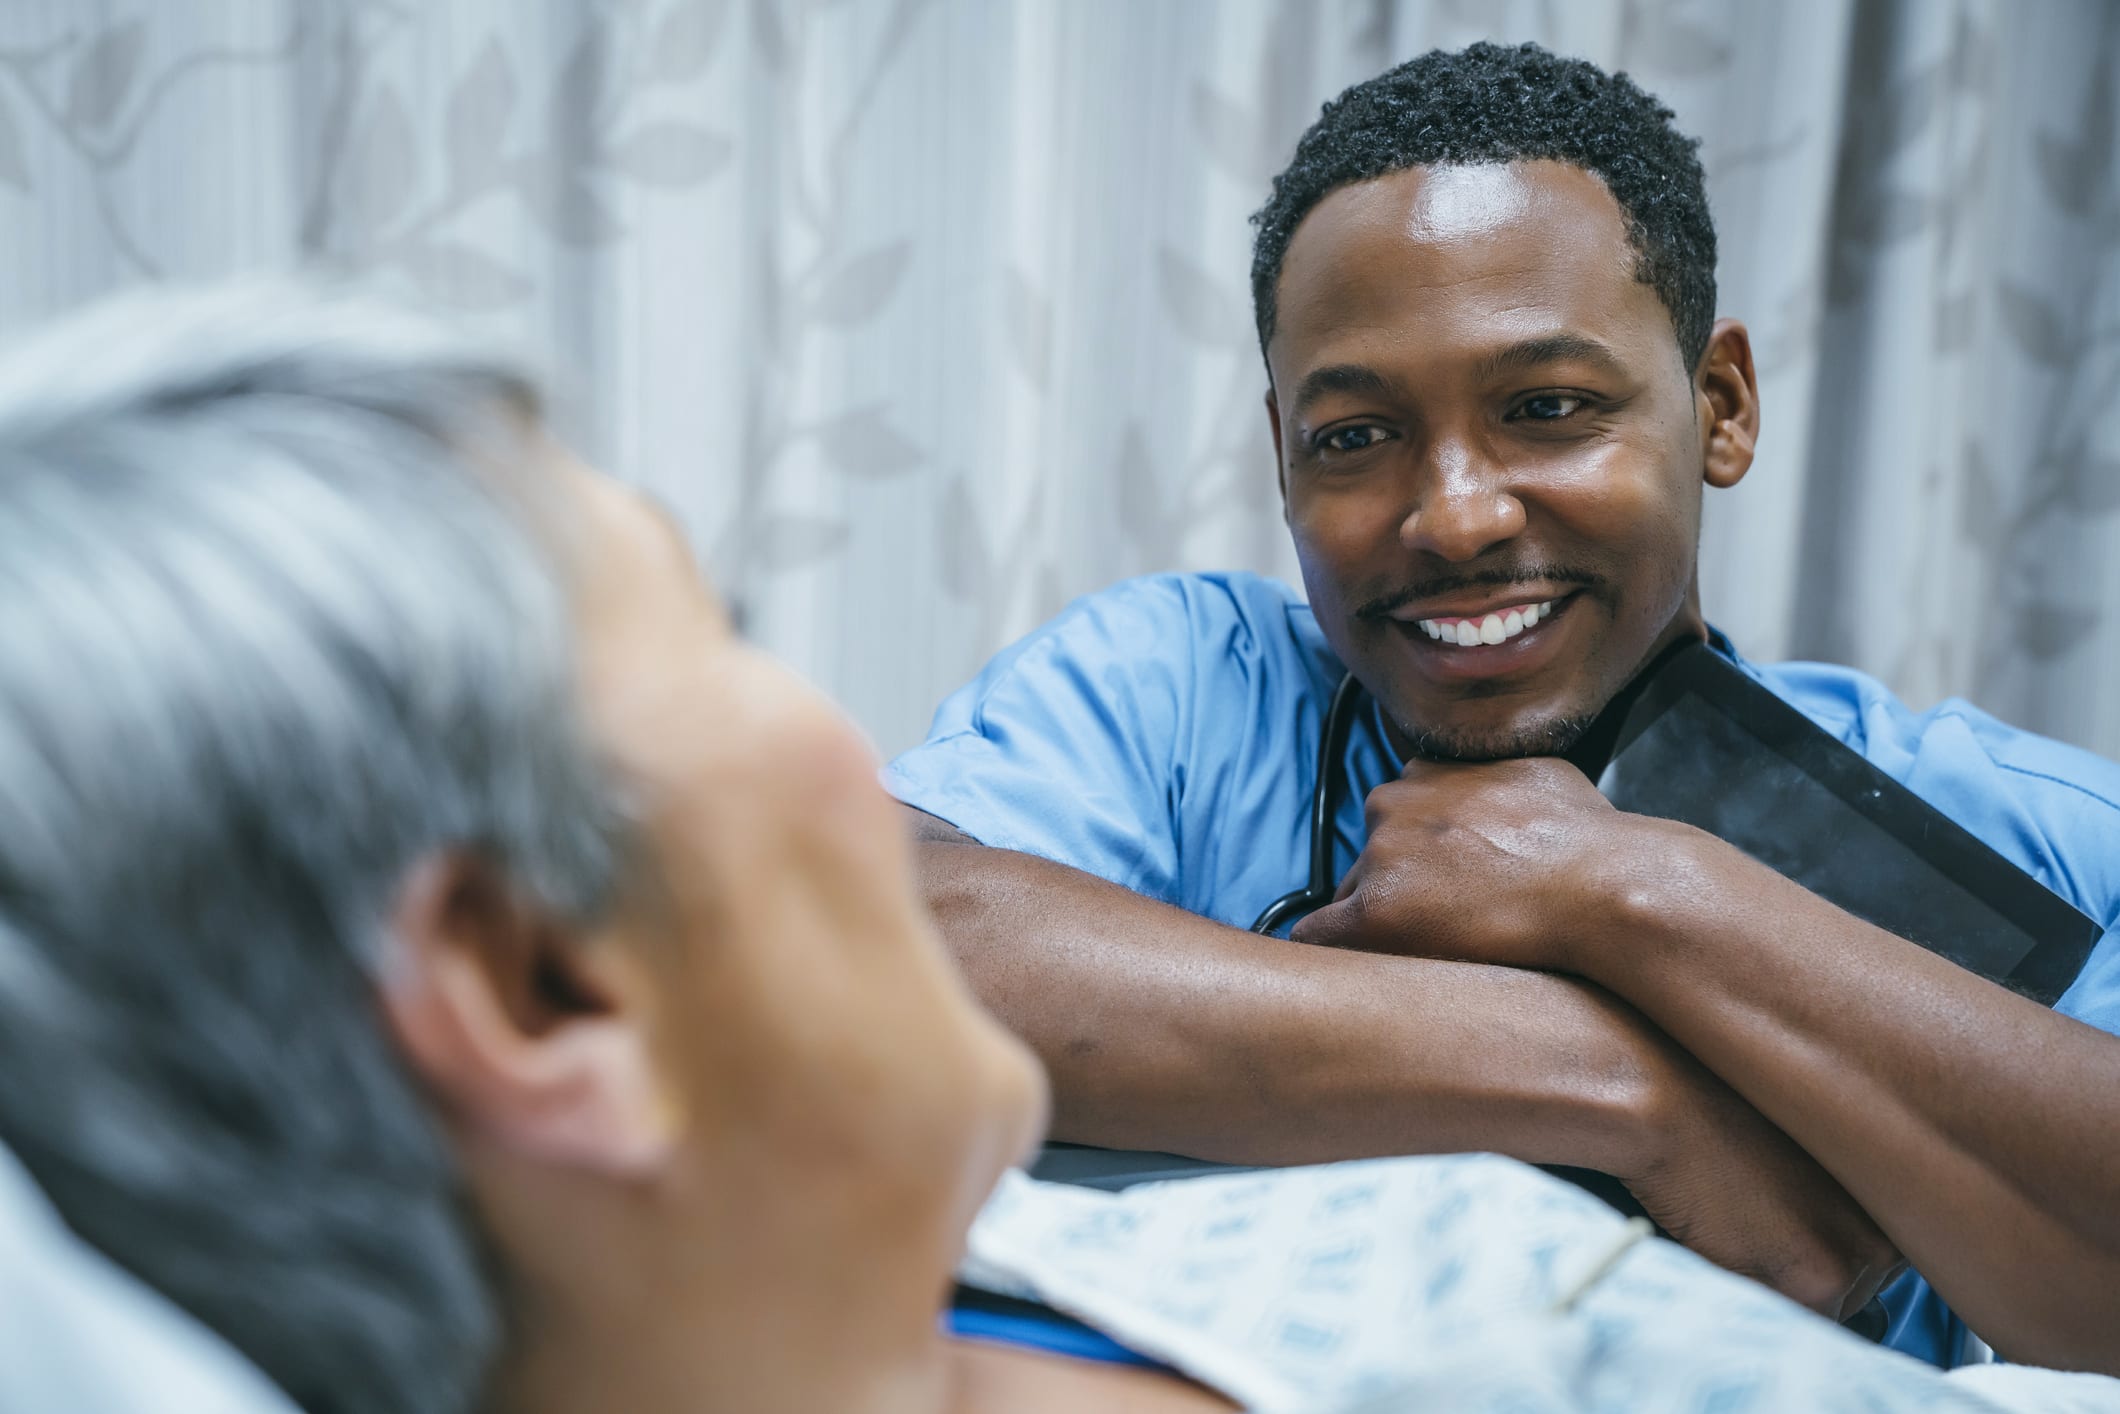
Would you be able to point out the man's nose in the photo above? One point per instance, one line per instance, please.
(1463, 506)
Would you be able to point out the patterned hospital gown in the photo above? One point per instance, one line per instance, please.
(1466, 1283)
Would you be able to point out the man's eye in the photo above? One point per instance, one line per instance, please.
(1352, 439)
(1549, 407)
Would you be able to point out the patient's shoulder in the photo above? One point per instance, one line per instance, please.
(990, 1378)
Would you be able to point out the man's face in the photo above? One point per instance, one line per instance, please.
(1491, 450)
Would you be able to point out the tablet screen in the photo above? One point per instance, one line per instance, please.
(1707, 745)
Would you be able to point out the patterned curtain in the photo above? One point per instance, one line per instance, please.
(927, 315)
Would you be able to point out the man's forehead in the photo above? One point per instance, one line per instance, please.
(1460, 203)
(1539, 245)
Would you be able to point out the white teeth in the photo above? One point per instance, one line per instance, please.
(1490, 630)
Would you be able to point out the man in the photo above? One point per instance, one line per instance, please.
(434, 954)
(1485, 294)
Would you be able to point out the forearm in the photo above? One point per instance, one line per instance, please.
(1981, 1130)
(1163, 1030)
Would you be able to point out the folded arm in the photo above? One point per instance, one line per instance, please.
(1980, 1129)
(1164, 1030)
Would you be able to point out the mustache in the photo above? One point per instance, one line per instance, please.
(1480, 579)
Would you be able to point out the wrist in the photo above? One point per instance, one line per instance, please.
(1644, 1097)
(1632, 921)
(1679, 1106)
(1650, 1098)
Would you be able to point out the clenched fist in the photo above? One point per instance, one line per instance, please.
(1496, 862)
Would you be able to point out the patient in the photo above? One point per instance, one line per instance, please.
(438, 957)
(433, 951)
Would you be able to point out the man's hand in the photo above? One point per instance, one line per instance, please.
(1503, 863)
(1482, 863)
(1722, 1180)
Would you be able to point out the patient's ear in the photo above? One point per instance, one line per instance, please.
(526, 1033)
(1726, 393)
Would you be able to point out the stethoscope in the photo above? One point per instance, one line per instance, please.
(1325, 799)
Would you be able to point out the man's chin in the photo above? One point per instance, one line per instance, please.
(1551, 736)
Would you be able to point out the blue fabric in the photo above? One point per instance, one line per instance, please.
(1057, 1336)
(1164, 733)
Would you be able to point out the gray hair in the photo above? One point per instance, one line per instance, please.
(278, 621)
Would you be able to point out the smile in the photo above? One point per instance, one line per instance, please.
(1474, 641)
(1491, 629)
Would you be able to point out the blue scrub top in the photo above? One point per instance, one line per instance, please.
(1163, 734)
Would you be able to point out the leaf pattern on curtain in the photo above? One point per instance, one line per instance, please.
(927, 315)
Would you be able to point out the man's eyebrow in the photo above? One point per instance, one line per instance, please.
(1527, 354)
(1341, 378)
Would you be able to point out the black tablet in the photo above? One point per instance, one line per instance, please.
(1707, 745)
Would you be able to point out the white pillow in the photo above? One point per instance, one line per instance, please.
(79, 1333)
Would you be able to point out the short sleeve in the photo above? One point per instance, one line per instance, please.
(2051, 808)
(1067, 744)
(2085, 825)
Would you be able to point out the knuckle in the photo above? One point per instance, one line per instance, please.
(1377, 805)
(1327, 923)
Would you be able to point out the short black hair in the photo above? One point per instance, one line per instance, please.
(1493, 103)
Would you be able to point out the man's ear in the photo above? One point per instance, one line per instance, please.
(1727, 396)
(1273, 425)
(527, 1035)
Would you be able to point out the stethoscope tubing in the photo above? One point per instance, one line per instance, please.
(1325, 798)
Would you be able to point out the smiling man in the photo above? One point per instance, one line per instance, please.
(1498, 391)
(1548, 407)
